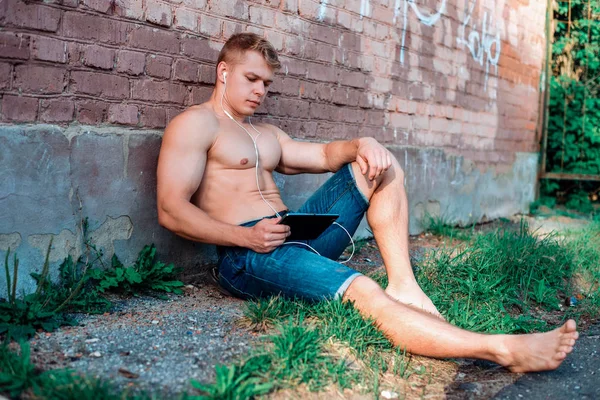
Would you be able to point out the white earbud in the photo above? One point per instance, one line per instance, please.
(225, 77)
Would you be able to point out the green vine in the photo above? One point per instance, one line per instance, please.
(574, 103)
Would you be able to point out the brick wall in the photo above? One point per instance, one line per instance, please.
(462, 75)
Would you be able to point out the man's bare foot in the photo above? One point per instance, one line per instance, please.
(538, 351)
(411, 294)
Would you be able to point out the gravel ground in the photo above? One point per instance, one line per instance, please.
(149, 343)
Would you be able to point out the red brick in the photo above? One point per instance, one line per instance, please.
(287, 86)
(195, 4)
(420, 122)
(354, 97)
(133, 9)
(288, 5)
(400, 120)
(186, 19)
(166, 92)
(375, 118)
(199, 49)
(5, 75)
(339, 95)
(172, 112)
(57, 110)
(48, 49)
(294, 108)
(125, 114)
(98, 84)
(39, 79)
(91, 112)
(324, 92)
(208, 74)
(153, 117)
(158, 66)
(19, 108)
(93, 27)
(210, 26)
(276, 39)
(293, 45)
(308, 90)
(187, 71)
(235, 9)
(14, 45)
(354, 79)
(325, 33)
(200, 94)
(352, 116)
(99, 57)
(158, 13)
(291, 23)
(131, 62)
(310, 10)
(324, 111)
(145, 37)
(104, 6)
(34, 16)
(320, 72)
(262, 16)
(230, 28)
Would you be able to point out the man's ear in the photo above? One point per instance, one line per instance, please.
(222, 71)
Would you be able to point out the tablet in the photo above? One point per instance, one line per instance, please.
(307, 226)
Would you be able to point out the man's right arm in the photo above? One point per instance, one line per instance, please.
(181, 165)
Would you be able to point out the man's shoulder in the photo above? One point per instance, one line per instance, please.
(195, 126)
(197, 114)
(269, 128)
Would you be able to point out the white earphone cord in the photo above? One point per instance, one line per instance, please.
(258, 184)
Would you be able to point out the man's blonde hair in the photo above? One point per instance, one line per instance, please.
(235, 47)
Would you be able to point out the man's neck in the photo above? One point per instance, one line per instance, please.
(222, 109)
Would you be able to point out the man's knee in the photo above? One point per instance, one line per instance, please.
(396, 172)
(363, 289)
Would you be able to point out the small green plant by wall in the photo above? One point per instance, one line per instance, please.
(79, 288)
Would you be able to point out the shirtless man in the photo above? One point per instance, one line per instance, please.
(210, 190)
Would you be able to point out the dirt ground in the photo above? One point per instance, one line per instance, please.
(146, 343)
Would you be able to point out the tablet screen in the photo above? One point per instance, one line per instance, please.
(307, 226)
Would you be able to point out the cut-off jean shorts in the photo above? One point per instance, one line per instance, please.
(294, 270)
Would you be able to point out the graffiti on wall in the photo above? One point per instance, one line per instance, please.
(427, 19)
(483, 45)
(480, 42)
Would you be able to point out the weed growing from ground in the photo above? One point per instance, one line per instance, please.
(441, 226)
(492, 284)
(233, 383)
(78, 288)
(16, 371)
(20, 317)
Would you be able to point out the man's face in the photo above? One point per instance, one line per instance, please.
(247, 83)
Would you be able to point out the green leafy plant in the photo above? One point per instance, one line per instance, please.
(146, 274)
(79, 288)
(573, 144)
(232, 383)
(17, 373)
(20, 317)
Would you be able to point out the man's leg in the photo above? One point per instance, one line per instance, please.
(388, 217)
(421, 333)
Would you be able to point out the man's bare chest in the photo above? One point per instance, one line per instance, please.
(236, 150)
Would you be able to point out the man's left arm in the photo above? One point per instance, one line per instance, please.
(306, 157)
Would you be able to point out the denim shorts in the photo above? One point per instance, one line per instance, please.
(293, 270)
